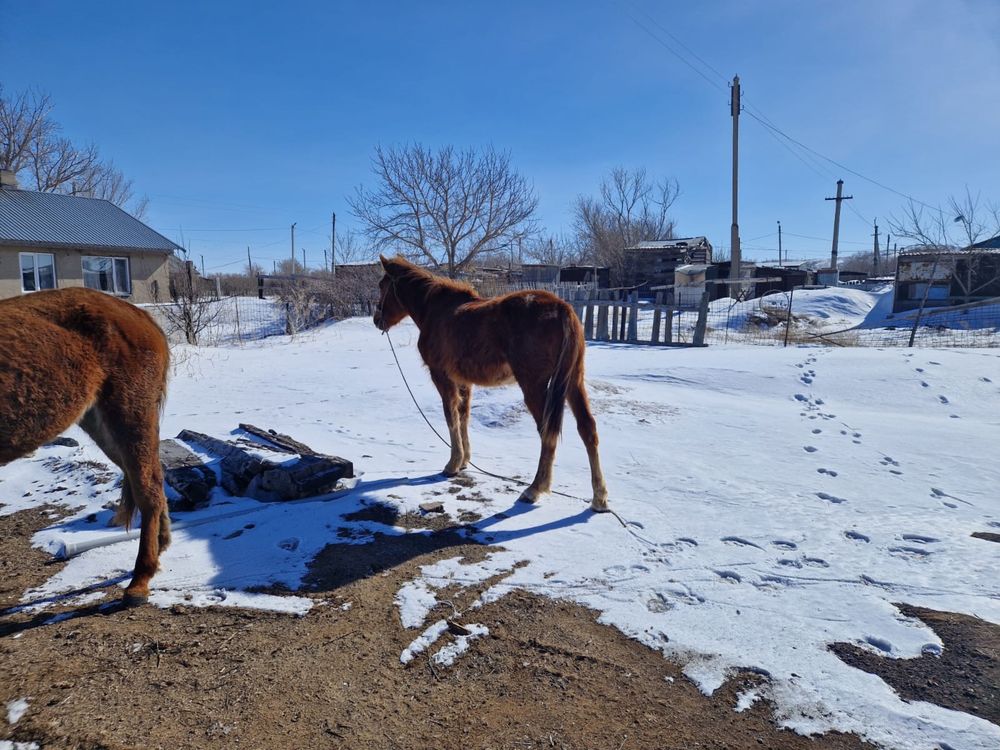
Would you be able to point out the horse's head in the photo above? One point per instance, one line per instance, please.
(389, 310)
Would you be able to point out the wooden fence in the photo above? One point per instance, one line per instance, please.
(612, 315)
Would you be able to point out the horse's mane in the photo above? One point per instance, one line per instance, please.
(431, 284)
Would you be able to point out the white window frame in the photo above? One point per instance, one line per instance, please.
(114, 276)
(35, 256)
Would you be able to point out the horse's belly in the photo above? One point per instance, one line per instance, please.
(486, 374)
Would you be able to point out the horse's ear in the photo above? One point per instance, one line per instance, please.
(384, 261)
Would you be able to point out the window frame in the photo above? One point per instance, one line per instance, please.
(113, 274)
(34, 257)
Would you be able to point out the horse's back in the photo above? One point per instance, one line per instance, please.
(59, 350)
(94, 315)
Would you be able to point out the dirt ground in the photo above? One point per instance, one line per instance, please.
(547, 676)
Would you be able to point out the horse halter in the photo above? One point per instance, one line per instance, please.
(381, 300)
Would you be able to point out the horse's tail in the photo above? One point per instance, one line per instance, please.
(567, 369)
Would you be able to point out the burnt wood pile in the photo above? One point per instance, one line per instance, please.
(258, 463)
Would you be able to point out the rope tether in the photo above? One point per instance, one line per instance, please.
(399, 366)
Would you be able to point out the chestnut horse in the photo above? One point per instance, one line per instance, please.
(531, 337)
(81, 356)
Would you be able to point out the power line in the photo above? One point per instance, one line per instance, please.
(758, 115)
(670, 49)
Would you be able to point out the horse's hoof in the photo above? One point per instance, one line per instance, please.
(600, 507)
(134, 600)
(528, 496)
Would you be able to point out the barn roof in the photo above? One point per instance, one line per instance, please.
(29, 218)
(678, 243)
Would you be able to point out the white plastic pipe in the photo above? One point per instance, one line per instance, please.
(71, 549)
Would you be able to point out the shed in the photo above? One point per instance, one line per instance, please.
(586, 275)
(942, 278)
(649, 264)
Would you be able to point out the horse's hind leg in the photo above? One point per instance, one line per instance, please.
(534, 399)
(129, 435)
(587, 428)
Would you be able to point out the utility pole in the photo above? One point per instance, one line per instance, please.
(779, 242)
(325, 264)
(875, 251)
(734, 232)
(203, 266)
(836, 221)
(303, 260)
(249, 262)
(333, 245)
(292, 269)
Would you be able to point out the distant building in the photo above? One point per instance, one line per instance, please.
(54, 241)
(651, 264)
(586, 275)
(539, 273)
(943, 278)
(780, 279)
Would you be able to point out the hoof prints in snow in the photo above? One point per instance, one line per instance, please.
(857, 536)
(915, 553)
(880, 643)
(830, 498)
(740, 541)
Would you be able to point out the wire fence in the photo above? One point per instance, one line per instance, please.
(766, 321)
(776, 319)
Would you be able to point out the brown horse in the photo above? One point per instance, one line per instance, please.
(81, 356)
(531, 337)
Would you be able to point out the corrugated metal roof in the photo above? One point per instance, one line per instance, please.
(990, 244)
(678, 243)
(52, 220)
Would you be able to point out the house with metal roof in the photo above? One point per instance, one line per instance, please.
(52, 241)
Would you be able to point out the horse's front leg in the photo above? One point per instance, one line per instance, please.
(450, 399)
(464, 408)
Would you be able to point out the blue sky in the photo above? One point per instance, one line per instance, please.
(239, 118)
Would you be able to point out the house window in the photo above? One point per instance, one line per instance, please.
(38, 271)
(107, 274)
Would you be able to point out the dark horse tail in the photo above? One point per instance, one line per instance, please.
(567, 372)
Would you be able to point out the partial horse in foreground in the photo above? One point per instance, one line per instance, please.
(531, 337)
(76, 355)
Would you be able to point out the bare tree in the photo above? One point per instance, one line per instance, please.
(631, 207)
(31, 146)
(351, 248)
(445, 206)
(24, 119)
(952, 232)
(194, 307)
(553, 250)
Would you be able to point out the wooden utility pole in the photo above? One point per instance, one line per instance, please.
(292, 269)
(836, 221)
(203, 266)
(333, 245)
(303, 260)
(249, 262)
(875, 250)
(779, 243)
(734, 232)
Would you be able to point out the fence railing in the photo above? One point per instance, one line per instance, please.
(608, 315)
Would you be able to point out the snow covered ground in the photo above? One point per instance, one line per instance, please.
(776, 500)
